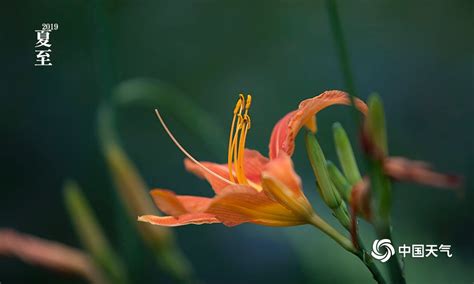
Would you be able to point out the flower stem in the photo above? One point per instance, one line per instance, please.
(347, 245)
(368, 262)
(341, 47)
(394, 268)
(333, 233)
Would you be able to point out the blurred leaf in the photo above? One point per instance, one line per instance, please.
(153, 94)
(133, 192)
(91, 234)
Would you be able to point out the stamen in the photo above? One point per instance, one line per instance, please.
(237, 139)
(186, 152)
(231, 148)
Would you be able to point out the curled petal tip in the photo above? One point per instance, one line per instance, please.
(285, 131)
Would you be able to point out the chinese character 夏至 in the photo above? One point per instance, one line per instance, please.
(43, 46)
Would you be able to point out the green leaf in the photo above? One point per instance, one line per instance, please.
(130, 185)
(153, 94)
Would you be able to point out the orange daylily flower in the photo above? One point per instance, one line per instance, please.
(250, 187)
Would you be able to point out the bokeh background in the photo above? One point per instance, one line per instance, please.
(417, 54)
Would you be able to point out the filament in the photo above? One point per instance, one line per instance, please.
(186, 152)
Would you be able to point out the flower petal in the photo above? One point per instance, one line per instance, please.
(170, 203)
(285, 131)
(186, 219)
(282, 184)
(254, 162)
(279, 135)
(49, 254)
(216, 183)
(240, 204)
(282, 170)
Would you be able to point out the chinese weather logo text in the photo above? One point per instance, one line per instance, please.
(383, 250)
(43, 44)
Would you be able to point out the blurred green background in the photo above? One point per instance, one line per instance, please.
(417, 54)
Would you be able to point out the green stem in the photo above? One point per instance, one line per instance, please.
(333, 233)
(396, 272)
(347, 245)
(343, 54)
(368, 262)
(394, 267)
(341, 47)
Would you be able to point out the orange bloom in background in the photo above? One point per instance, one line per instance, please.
(250, 187)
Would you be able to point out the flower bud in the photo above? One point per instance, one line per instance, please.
(318, 162)
(345, 154)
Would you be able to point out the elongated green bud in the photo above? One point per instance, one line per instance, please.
(342, 215)
(345, 154)
(376, 124)
(318, 162)
(340, 182)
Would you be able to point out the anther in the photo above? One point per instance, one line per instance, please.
(248, 102)
(238, 105)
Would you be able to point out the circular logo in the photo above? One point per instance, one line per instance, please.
(382, 250)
